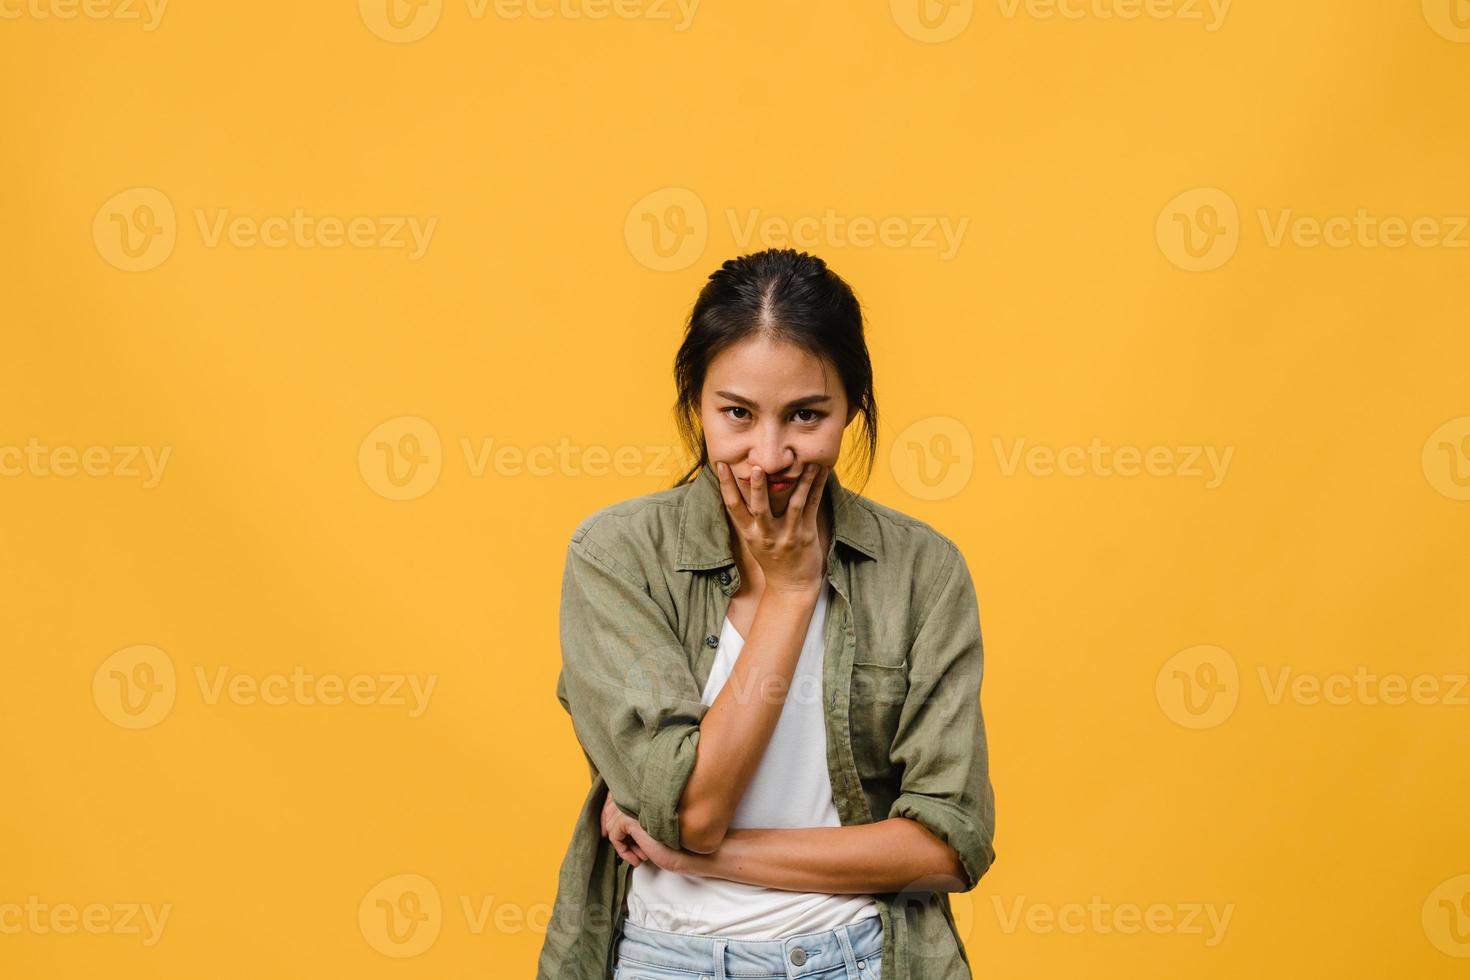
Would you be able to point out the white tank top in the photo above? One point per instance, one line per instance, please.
(791, 788)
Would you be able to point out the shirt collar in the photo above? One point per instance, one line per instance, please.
(704, 533)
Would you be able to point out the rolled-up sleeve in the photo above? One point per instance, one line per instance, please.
(627, 684)
(940, 740)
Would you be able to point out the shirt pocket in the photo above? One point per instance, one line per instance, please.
(876, 700)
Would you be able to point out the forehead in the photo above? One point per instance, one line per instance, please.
(760, 364)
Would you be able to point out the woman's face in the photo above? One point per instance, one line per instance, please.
(773, 405)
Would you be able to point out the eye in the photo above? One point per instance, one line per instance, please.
(734, 408)
(816, 415)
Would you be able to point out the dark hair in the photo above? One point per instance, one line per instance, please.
(789, 296)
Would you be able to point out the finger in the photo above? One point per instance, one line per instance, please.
(759, 504)
(803, 488)
(622, 843)
(730, 491)
(814, 505)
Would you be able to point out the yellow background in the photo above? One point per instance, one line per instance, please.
(544, 313)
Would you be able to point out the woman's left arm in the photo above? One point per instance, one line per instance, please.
(897, 854)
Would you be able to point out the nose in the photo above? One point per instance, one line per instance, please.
(772, 454)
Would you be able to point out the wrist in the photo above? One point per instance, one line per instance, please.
(795, 593)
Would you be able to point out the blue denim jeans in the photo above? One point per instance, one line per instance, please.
(851, 952)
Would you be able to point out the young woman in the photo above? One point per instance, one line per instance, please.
(775, 680)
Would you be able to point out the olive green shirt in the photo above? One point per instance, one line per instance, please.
(646, 586)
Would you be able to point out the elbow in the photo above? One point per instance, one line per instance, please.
(953, 873)
(699, 833)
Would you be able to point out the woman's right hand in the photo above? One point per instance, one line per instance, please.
(788, 548)
(615, 828)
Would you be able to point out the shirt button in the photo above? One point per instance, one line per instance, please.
(798, 956)
(712, 641)
(724, 578)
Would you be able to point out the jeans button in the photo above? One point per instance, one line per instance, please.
(724, 578)
(712, 641)
(798, 956)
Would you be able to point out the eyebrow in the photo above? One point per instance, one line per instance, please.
(798, 403)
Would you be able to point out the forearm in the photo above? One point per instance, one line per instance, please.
(886, 856)
(737, 728)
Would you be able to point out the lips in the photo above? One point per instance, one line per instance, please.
(773, 484)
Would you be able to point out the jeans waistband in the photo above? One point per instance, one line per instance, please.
(856, 945)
